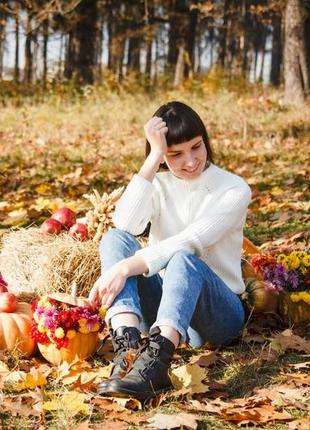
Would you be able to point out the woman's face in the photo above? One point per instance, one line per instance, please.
(187, 160)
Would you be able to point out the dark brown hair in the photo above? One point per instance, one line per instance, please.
(183, 124)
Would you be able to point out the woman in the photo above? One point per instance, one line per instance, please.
(184, 286)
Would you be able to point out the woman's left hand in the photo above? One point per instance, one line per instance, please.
(108, 286)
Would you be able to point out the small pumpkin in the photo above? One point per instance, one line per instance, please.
(257, 297)
(15, 330)
(81, 346)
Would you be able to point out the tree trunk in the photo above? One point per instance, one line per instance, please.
(116, 38)
(81, 56)
(2, 41)
(28, 51)
(223, 35)
(296, 71)
(190, 40)
(179, 69)
(16, 62)
(45, 26)
(276, 53)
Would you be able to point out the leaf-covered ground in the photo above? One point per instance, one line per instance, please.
(54, 151)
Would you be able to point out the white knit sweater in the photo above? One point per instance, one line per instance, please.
(204, 215)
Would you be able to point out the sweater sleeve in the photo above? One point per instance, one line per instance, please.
(219, 219)
(134, 209)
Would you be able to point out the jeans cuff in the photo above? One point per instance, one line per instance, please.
(115, 310)
(173, 324)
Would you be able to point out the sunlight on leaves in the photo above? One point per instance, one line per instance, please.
(189, 376)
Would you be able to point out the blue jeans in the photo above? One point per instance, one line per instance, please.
(191, 298)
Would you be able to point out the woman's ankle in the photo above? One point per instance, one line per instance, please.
(126, 319)
(170, 333)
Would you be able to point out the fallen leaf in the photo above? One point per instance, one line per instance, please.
(111, 425)
(72, 402)
(32, 379)
(287, 340)
(189, 376)
(302, 424)
(205, 359)
(297, 366)
(164, 421)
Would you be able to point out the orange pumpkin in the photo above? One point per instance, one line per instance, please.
(81, 346)
(15, 330)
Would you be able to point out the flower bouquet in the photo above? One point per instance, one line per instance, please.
(66, 327)
(287, 274)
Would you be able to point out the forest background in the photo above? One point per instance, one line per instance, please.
(78, 79)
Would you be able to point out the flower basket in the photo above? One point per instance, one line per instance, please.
(82, 346)
(288, 275)
(295, 307)
(66, 327)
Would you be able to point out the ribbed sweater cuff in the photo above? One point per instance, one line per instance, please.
(153, 260)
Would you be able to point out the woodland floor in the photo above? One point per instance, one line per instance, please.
(52, 151)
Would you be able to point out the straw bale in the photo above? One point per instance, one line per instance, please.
(34, 263)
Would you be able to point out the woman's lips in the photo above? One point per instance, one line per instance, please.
(193, 170)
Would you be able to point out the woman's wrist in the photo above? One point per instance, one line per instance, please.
(156, 156)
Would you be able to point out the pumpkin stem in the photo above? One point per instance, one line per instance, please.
(74, 289)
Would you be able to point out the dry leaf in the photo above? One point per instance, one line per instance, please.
(189, 376)
(111, 425)
(288, 340)
(302, 424)
(205, 359)
(32, 379)
(164, 421)
(72, 402)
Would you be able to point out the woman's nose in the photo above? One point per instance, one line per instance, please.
(190, 160)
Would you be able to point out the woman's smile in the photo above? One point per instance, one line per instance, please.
(188, 159)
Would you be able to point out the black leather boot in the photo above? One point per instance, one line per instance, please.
(149, 374)
(124, 339)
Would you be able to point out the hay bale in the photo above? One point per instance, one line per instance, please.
(33, 263)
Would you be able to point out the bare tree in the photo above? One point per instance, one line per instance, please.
(296, 64)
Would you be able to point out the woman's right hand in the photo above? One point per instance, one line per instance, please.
(155, 131)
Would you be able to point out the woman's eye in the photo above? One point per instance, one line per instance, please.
(197, 146)
(175, 155)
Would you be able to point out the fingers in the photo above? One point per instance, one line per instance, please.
(93, 295)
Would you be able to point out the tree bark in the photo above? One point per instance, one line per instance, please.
(2, 41)
(28, 51)
(276, 54)
(81, 56)
(296, 71)
(45, 28)
(16, 62)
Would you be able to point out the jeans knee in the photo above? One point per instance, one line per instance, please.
(113, 235)
(182, 257)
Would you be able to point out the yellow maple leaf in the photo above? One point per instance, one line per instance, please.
(71, 402)
(189, 376)
(32, 379)
(43, 188)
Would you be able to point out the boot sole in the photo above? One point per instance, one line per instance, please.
(134, 394)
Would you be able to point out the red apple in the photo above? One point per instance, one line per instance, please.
(79, 231)
(3, 285)
(51, 226)
(65, 216)
(8, 302)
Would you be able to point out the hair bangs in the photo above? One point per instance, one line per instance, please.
(181, 129)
